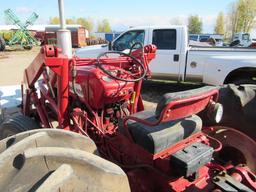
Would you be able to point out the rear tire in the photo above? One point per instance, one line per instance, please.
(53, 160)
(16, 124)
(2, 44)
(239, 103)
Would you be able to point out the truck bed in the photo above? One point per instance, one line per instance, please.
(222, 49)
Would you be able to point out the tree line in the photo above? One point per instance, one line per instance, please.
(88, 23)
(241, 17)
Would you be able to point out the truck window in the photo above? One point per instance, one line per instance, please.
(128, 39)
(165, 38)
(204, 38)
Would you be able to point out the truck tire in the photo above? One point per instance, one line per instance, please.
(244, 80)
(2, 44)
(49, 160)
(16, 124)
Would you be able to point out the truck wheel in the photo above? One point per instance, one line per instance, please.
(16, 124)
(244, 80)
(56, 160)
(2, 44)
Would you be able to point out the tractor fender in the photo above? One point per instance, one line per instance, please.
(237, 147)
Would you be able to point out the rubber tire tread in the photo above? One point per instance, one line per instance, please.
(18, 123)
(43, 160)
(244, 80)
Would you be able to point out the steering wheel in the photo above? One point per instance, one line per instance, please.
(133, 47)
(133, 71)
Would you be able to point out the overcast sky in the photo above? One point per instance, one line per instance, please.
(123, 13)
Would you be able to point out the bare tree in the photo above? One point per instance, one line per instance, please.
(54, 20)
(241, 16)
(71, 21)
(86, 23)
(220, 22)
(104, 26)
(195, 24)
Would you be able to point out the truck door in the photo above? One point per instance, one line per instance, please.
(167, 61)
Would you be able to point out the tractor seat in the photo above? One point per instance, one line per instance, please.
(161, 136)
(157, 138)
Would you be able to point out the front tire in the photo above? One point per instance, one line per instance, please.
(17, 124)
(53, 160)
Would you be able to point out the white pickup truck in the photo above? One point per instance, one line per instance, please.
(176, 60)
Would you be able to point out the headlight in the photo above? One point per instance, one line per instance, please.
(215, 112)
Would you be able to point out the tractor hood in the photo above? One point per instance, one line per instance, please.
(91, 51)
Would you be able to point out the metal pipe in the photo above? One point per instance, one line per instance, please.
(64, 35)
(62, 82)
(62, 14)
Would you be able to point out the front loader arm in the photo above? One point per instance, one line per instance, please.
(59, 64)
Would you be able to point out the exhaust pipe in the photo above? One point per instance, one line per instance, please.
(64, 35)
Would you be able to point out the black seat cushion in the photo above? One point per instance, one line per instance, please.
(157, 138)
(169, 97)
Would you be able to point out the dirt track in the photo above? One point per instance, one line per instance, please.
(13, 63)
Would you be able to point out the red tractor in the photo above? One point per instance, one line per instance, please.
(166, 149)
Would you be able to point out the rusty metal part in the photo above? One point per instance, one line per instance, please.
(227, 183)
(236, 145)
